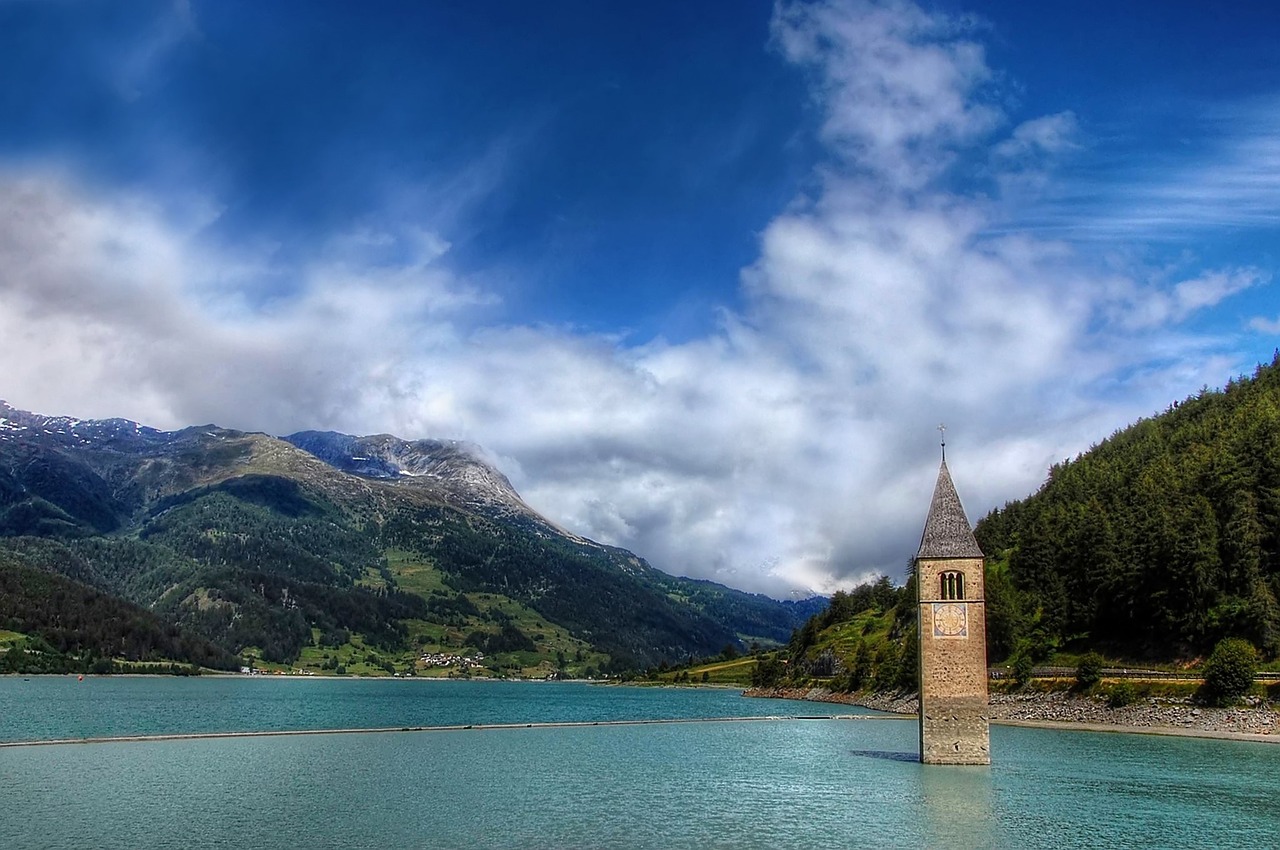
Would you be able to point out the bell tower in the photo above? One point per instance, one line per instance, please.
(954, 725)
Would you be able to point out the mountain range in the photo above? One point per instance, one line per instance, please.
(329, 550)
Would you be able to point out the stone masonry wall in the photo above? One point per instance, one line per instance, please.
(955, 731)
(954, 721)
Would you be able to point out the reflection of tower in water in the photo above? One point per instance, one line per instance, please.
(958, 806)
(954, 726)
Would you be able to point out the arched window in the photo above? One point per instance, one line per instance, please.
(952, 585)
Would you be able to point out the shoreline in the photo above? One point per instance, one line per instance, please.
(1062, 710)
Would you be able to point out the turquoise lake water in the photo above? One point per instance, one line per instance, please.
(764, 784)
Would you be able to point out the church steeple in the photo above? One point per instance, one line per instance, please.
(946, 530)
(952, 633)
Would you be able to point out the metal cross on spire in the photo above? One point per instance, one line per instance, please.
(942, 429)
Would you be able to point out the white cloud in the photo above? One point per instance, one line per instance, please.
(1049, 134)
(898, 85)
(793, 447)
(114, 307)
(1153, 307)
(1264, 325)
(1212, 287)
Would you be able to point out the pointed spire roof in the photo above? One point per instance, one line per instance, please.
(946, 531)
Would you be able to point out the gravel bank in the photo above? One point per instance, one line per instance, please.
(1160, 715)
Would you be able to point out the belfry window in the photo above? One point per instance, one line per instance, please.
(952, 585)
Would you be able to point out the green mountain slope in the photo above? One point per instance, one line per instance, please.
(363, 550)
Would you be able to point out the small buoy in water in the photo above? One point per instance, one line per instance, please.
(80, 678)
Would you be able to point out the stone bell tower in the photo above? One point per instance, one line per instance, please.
(954, 726)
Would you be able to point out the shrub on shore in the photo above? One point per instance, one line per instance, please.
(1023, 668)
(1121, 694)
(1229, 672)
(1089, 672)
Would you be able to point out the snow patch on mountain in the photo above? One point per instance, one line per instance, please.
(455, 467)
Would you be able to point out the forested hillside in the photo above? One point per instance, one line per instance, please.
(1157, 542)
(70, 627)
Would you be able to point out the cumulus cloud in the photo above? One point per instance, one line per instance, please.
(899, 86)
(791, 449)
(114, 309)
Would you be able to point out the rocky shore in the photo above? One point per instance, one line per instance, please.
(1163, 715)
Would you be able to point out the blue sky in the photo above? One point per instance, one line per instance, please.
(599, 166)
(700, 277)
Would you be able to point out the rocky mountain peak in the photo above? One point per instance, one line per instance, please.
(449, 464)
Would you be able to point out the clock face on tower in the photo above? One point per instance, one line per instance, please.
(950, 620)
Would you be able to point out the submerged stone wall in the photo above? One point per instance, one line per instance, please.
(955, 730)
